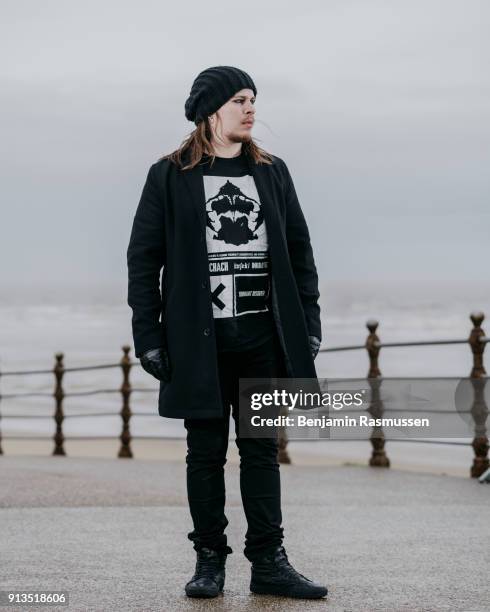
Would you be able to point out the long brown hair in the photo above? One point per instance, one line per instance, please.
(198, 143)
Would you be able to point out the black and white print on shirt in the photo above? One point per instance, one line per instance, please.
(236, 239)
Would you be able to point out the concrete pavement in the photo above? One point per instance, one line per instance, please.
(114, 534)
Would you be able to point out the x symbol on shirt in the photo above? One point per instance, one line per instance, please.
(214, 296)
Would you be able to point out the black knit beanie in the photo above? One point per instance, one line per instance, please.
(212, 88)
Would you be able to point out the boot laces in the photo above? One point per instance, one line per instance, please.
(283, 562)
(207, 566)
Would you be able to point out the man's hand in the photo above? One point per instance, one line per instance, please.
(156, 363)
(314, 345)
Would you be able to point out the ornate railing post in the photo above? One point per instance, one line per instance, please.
(282, 439)
(282, 435)
(125, 437)
(477, 346)
(378, 456)
(372, 347)
(58, 394)
(479, 409)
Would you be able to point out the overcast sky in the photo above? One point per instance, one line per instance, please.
(381, 110)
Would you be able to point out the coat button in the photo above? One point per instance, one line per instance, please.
(207, 331)
(204, 284)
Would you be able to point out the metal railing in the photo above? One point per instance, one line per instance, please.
(477, 341)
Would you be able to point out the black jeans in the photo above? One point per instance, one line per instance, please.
(207, 443)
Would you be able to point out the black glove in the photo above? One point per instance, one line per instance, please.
(314, 345)
(156, 363)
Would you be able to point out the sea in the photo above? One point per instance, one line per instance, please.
(90, 324)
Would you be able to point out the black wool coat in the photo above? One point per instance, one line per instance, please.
(169, 236)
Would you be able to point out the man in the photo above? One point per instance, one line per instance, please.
(239, 299)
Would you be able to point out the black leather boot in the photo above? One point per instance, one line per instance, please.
(209, 577)
(272, 574)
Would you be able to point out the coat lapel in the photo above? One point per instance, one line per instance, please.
(193, 182)
(268, 197)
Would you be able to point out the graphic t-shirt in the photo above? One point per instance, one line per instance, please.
(238, 255)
